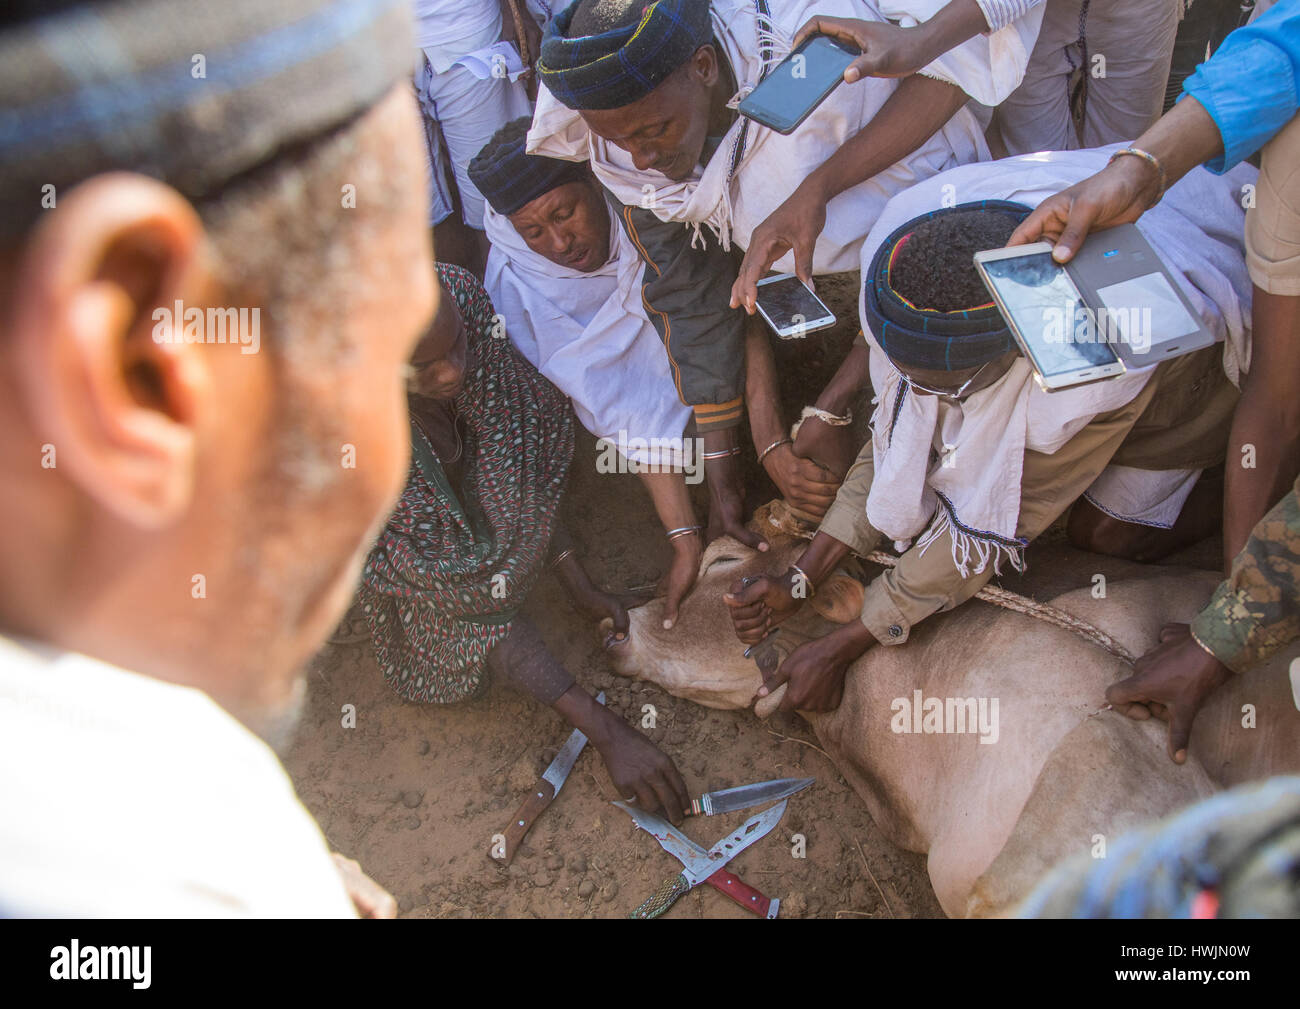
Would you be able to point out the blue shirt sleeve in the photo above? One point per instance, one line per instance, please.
(1249, 86)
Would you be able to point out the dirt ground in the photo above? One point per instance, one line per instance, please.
(416, 792)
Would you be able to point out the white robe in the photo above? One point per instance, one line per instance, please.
(733, 203)
(589, 335)
(125, 796)
(1197, 231)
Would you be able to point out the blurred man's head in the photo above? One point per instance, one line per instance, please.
(556, 206)
(643, 75)
(173, 504)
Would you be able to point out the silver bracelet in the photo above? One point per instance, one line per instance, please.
(773, 447)
(723, 454)
(683, 531)
(812, 589)
(561, 557)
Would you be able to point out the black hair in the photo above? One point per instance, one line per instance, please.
(595, 17)
(935, 268)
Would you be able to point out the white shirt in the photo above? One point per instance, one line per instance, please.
(124, 796)
(448, 29)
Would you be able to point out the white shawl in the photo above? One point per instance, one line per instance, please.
(970, 482)
(589, 335)
(733, 203)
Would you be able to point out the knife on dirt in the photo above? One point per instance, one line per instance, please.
(700, 866)
(547, 787)
(728, 800)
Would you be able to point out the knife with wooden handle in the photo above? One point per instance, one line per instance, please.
(700, 866)
(544, 792)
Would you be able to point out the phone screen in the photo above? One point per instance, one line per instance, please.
(798, 83)
(784, 300)
(1048, 313)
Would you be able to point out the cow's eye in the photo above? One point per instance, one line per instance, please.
(721, 560)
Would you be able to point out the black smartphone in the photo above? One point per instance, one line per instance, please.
(798, 84)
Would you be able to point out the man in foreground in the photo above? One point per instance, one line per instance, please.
(202, 426)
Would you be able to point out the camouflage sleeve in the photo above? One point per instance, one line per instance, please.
(1256, 611)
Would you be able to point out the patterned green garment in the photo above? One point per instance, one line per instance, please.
(1256, 612)
(447, 576)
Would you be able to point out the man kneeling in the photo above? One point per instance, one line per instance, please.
(970, 459)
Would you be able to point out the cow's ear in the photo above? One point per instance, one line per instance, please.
(840, 599)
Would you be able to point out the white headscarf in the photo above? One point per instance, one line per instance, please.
(589, 335)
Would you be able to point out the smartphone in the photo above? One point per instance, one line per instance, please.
(1046, 315)
(788, 305)
(798, 84)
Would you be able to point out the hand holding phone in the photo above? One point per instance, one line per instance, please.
(798, 84)
(789, 306)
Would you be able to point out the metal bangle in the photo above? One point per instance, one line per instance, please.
(812, 589)
(773, 447)
(723, 454)
(1150, 159)
(683, 531)
(1206, 648)
(561, 557)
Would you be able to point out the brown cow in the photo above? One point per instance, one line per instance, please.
(1028, 769)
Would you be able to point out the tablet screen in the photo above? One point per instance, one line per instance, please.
(1146, 311)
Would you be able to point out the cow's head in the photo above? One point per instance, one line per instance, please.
(700, 658)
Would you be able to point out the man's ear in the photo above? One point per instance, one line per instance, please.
(118, 405)
(704, 65)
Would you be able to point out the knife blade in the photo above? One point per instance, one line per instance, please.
(700, 866)
(544, 792)
(728, 800)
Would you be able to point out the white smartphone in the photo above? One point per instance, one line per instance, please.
(1046, 315)
(788, 305)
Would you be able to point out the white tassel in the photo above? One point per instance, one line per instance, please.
(965, 544)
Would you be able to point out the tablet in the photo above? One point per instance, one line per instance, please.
(1139, 308)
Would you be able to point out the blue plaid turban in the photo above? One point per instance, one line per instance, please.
(510, 178)
(190, 92)
(925, 338)
(619, 67)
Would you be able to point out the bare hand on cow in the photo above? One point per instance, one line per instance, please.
(1171, 681)
(591, 600)
(727, 501)
(814, 672)
(682, 572)
(763, 603)
(803, 483)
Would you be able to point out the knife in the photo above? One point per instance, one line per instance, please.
(728, 800)
(700, 866)
(547, 787)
